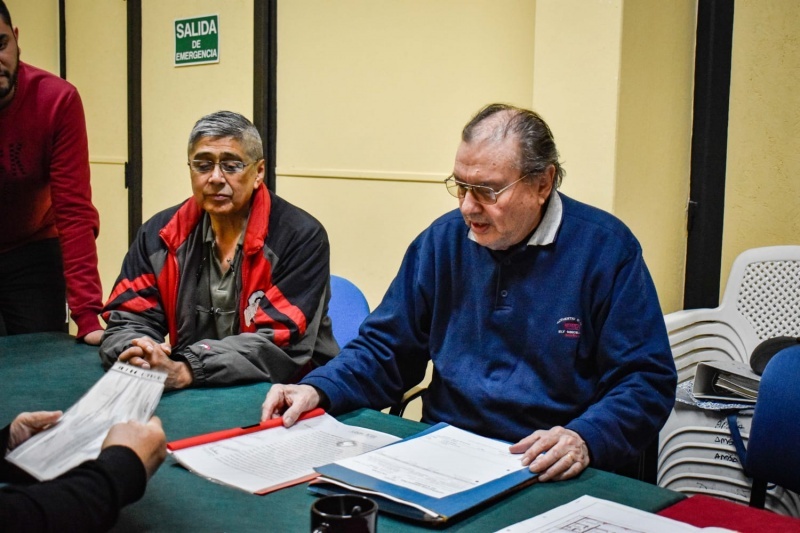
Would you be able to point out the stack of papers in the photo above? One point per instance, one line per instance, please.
(593, 514)
(432, 476)
(124, 393)
(266, 457)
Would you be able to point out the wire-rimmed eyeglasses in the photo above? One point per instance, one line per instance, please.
(481, 193)
(227, 166)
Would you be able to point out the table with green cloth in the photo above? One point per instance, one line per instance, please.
(50, 371)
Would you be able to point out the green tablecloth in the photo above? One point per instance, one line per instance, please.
(51, 371)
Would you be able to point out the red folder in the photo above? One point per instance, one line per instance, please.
(215, 436)
(235, 432)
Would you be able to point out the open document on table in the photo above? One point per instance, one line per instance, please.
(432, 476)
(594, 514)
(266, 457)
(123, 394)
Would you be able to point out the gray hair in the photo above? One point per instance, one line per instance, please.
(537, 148)
(229, 124)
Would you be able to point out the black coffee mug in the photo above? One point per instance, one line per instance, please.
(344, 513)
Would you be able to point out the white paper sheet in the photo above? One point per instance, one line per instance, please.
(277, 457)
(439, 464)
(601, 516)
(124, 393)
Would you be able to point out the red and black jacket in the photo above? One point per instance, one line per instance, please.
(283, 288)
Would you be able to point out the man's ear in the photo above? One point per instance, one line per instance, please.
(544, 185)
(261, 169)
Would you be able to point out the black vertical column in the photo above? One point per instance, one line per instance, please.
(265, 68)
(709, 153)
(62, 39)
(133, 168)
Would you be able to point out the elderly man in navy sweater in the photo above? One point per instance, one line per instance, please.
(540, 317)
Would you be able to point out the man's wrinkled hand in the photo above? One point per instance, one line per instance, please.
(555, 454)
(291, 400)
(148, 353)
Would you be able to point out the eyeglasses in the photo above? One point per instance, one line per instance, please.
(481, 193)
(228, 166)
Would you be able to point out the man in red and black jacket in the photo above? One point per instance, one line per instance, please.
(237, 279)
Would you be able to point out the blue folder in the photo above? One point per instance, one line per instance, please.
(441, 509)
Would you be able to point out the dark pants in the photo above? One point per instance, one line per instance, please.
(32, 289)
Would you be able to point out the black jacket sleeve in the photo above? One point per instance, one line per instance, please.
(87, 498)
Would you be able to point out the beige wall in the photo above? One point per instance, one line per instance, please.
(614, 81)
(173, 98)
(654, 124)
(762, 190)
(576, 85)
(96, 65)
(371, 100)
(37, 21)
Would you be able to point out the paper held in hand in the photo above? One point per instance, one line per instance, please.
(266, 457)
(123, 394)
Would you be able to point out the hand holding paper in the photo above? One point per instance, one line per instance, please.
(124, 393)
(26, 425)
(146, 440)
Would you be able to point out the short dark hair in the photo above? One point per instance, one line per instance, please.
(228, 124)
(537, 147)
(5, 15)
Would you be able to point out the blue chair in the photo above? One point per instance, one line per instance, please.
(348, 308)
(772, 450)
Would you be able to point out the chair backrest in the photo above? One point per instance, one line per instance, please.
(761, 301)
(762, 295)
(772, 452)
(348, 308)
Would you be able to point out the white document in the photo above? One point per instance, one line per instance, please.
(123, 394)
(278, 457)
(440, 463)
(602, 516)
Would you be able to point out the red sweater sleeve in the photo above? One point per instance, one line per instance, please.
(76, 218)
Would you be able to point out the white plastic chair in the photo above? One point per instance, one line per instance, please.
(761, 301)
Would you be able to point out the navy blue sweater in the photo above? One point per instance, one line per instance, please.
(567, 333)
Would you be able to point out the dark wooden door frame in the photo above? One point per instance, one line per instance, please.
(133, 167)
(62, 39)
(706, 209)
(265, 68)
(264, 98)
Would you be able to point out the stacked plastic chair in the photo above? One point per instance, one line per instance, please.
(761, 301)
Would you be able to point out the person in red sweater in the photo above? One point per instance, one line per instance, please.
(47, 246)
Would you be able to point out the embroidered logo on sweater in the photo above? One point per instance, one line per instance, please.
(570, 327)
(252, 307)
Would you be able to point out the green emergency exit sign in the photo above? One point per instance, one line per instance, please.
(197, 40)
